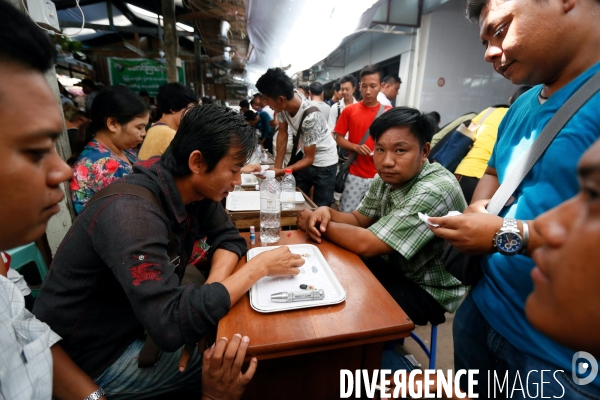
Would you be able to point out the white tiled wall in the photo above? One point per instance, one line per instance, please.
(455, 53)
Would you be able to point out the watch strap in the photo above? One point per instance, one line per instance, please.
(98, 394)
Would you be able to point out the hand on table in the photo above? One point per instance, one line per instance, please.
(314, 222)
(222, 377)
(248, 169)
(471, 233)
(279, 262)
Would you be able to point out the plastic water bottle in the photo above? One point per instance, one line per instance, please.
(270, 209)
(288, 191)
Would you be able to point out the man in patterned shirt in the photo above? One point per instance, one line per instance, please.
(385, 227)
(318, 167)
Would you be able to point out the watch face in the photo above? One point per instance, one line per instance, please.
(509, 242)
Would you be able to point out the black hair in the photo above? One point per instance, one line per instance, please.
(250, 115)
(518, 94)
(174, 97)
(244, 104)
(421, 125)
(144, 93)
(436, 116)
(275, 83)
(116, 102)
(348, 78)
(316, 88)
(336, 86)
(303, 86)
(392, 79)
(23, 42)
(259, 95)
(370, 70)
(474, 8)
(214, 131)
(206, 100)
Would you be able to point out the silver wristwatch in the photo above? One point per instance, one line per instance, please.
(96, 395)
(508, 240)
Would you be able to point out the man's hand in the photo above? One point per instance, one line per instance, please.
(303, 218)
(279, 262)
(250, 168)
(362, 149)
(184, 359)
(314, 223)
(222, 377)
(471, 233)
(477, 207)
(278, 171)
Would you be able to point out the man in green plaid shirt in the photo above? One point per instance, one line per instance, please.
(402, 251)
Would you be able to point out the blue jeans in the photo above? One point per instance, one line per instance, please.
(322, 178)
(124, 380)
(478, 346)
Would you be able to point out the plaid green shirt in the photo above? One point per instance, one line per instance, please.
(434, 191)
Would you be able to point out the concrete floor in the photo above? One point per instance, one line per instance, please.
(445, 349)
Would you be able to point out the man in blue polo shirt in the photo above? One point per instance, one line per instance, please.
(553, 44)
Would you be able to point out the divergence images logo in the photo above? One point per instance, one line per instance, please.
(584, 364)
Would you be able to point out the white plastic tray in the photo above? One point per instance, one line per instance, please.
(249, 180)
(324, 278)
(243, 201)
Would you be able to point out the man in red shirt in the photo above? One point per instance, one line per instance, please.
(356, 119)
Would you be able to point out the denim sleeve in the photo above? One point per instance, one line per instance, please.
(131, 236)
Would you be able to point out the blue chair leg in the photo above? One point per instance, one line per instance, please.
(433, 348)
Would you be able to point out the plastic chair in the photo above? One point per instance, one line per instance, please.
(431, 352)
(23, 255)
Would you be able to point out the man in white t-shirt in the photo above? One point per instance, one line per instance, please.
(315, 90)
(347, 88)
(390, 85)
(318, 166)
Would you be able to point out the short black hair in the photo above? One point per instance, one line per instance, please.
(370, 70)
(421, 125)
(275, 83)
(336, 86)
(474, 8)
(250, 115)
(173, 97)
(348, 78)
(304, 87)
(259, 95)
(316, 88)
(22, 41)
(436, 116)
(214, 131)
(206, 100)
(392, 79)
(244, 104)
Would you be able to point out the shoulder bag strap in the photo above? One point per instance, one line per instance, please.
(558, 121)
(352, 157)
(142, 192)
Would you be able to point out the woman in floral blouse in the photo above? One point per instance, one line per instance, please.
(102, 150)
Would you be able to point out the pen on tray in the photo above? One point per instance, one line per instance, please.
(288, 297)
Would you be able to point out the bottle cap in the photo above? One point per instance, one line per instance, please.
(288, 170)
(252, 229)
(270, 173)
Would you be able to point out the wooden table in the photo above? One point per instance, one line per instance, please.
(301, 352)
(246, 219)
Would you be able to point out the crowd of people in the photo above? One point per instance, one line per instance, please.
(149, 206)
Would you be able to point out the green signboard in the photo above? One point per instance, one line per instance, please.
(140, 74)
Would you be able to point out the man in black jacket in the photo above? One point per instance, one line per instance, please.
(112, 277)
